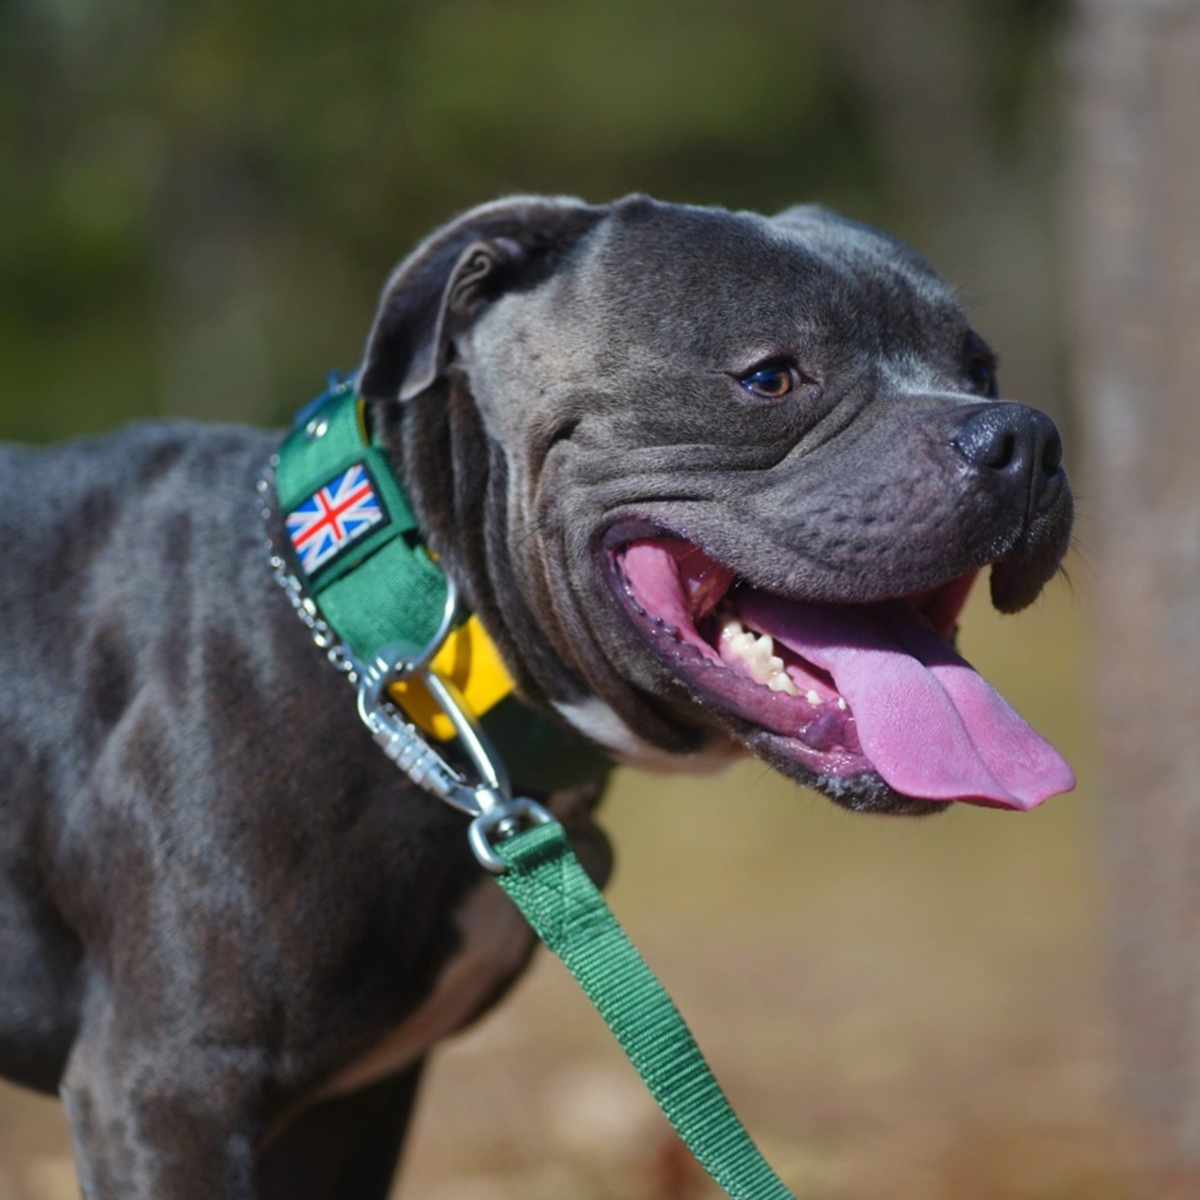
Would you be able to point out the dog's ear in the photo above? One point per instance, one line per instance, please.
(452, 277)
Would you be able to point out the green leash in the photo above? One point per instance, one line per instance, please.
(565, 909)
(382, 610)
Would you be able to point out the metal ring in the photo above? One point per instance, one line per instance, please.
(449, 612)
(518, 813)
(396, 660)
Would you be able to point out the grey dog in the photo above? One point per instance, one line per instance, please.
(712, 482)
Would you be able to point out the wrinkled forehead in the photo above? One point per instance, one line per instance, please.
(714, 278)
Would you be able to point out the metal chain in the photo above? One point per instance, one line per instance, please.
(302, 604)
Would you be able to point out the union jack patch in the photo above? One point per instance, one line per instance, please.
(334, 517)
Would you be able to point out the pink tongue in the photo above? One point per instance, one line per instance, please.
(929, 723)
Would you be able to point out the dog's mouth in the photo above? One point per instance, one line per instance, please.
(869, 702)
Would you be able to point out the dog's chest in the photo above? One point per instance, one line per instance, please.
(495, 944)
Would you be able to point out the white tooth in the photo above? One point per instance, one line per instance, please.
(842, 703)
(742, 645)
(812, 696)
(756, 655)
(760, 664)
(764, 649)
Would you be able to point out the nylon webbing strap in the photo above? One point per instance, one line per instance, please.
(381, 587)
(548, 885)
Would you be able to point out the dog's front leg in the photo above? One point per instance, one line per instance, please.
(161, 1121)
(343, 1148)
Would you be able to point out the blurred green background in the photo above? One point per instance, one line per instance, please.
(198, 205)
(199, 201)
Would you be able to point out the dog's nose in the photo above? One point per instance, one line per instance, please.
(1019, 444)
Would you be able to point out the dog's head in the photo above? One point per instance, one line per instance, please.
(717, 480)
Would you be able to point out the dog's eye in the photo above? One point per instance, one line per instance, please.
(772, 382)
(982, 371)
(981, 366)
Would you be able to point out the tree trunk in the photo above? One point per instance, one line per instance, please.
(1134, 224)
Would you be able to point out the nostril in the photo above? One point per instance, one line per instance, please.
(1052, 453)
(998, 437)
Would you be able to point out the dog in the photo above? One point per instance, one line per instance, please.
(712, 483)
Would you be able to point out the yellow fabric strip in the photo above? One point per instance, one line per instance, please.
(470, 662)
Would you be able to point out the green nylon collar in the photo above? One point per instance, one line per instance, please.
(379, 587)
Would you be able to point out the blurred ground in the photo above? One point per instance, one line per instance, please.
(909, 1010)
